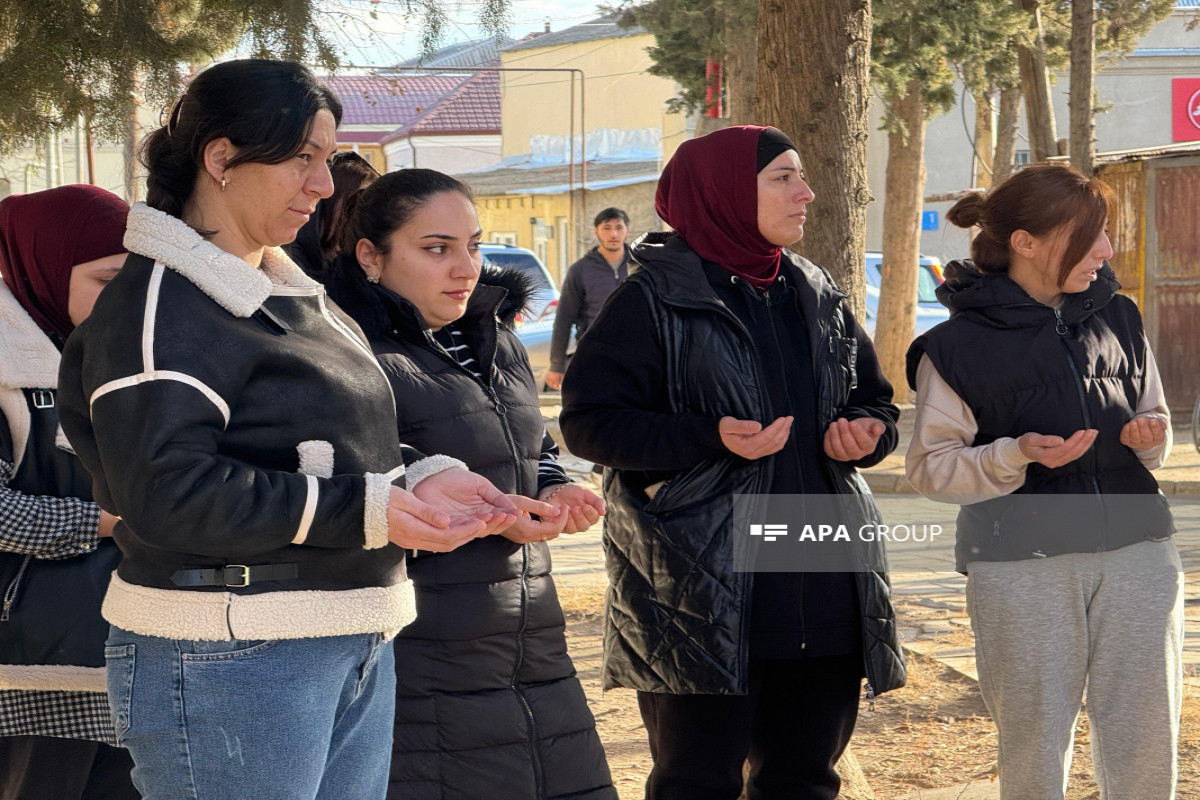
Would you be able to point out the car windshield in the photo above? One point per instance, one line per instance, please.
(927, 284)
(522, 261)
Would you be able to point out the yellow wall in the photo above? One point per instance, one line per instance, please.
(620, 94)
(511, 214)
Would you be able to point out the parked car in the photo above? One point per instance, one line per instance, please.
(929, 276)
(535, 327)
(506, 256)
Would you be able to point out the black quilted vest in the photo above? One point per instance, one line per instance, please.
(51, 608)
(1021, 366)
(685, 630)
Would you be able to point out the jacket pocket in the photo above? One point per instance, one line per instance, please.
(121, 662)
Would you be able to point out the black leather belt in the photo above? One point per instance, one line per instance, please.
(235, 575)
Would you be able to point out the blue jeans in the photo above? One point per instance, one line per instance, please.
(284, 719)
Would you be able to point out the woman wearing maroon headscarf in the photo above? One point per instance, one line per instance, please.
(728, 365)
(58, 248)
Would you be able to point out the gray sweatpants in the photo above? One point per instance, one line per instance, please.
(1046, 627)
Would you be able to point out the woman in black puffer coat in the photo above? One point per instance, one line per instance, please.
(489, 705)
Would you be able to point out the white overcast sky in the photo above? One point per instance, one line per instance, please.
(392, 37)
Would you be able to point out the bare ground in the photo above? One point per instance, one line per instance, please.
(934, 733)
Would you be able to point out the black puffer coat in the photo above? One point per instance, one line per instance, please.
(488, 705)
(678, 610)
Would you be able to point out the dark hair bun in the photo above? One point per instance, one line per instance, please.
(967, 211)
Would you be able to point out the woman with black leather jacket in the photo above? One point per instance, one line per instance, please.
(1048, 442)
(487, 702)
(726, 366)
(58, 249)
(239, 426)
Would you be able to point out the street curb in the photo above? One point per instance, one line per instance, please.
(895, 483)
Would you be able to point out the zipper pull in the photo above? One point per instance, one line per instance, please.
(1060, 327)
(7, 605)
(870, 697)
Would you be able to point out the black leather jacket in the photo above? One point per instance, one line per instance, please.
(678, 611)
(233, 417)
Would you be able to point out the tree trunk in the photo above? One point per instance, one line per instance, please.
(828, 43)
(741, 65)
(1035, 85)
(1083, 68)
(984, 157)
(1007, 123)
(133, 135)
(901, 235)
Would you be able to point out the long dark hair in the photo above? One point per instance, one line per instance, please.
(1038, 199)
(350, 171)
(374, 214)
(266, 108)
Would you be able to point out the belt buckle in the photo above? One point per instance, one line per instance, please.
(244, 576)
(43, 398)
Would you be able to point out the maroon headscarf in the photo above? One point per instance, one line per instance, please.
(44, 234)
(708, 192)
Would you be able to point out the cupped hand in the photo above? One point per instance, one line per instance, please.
(527, 529)
(852, 439)
(1054, 451)
(582, 508)
(460, 493)
(554, 379)
(1141, 433)
(750, 440)
(415, 525)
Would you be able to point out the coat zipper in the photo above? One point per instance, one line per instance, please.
(10, 594)
(1060, 327)
(502, 413)
(530, 720)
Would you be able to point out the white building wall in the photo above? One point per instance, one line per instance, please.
(1136, 91)
(453, 154)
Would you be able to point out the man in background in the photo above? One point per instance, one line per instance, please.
(589, 282)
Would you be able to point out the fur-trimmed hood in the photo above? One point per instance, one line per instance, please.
(232, 283)
(503, 293)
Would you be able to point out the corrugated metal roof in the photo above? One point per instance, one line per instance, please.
(463, 55)
(1187, 4)
(542, 180)
(600, 28)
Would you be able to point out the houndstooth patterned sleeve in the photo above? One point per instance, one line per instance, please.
(550, 472)
(45, 527)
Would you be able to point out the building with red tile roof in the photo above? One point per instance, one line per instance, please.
(395, 119)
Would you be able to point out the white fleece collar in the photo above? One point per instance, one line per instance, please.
(232, 283)
(28, 359)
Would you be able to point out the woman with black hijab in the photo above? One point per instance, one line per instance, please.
(728, 365)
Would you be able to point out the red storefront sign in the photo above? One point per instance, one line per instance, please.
(1185, 113)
